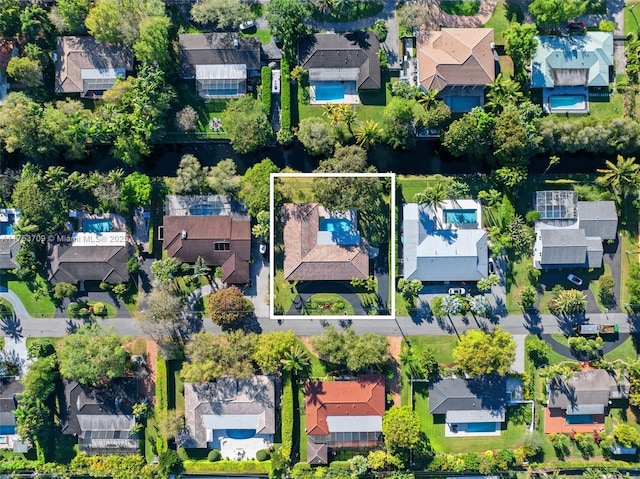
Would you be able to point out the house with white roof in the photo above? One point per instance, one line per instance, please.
(445, 242)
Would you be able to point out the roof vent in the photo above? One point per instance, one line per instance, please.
(236, 43)
(184, 234)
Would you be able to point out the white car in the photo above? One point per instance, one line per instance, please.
(246, 26)
(574, 279)
(457, 291)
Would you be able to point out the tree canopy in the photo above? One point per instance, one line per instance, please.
(357, 352)
(271, 348)
(254, 186)
(554, 12)
(401, 429)
(136, 189)
(521, 47)
(93, 356)
(228, 307)
(317, 136)
(286, 19)
(479, 353)
(246, 124)
(223, 14)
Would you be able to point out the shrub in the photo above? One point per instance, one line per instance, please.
(187, 118)
(287, 416)
(132, 265)
(285, 98)
(182, 453)
(383, 58)
(193, 467)
(266, 89)
(64, 290)
(262, 455)
(607, 25)
(380, 27)
(99, 308)
(120, 289)
(73, 310)
(214, 455)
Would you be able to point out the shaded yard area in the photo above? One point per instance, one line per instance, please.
(501, 19)
(460, 7)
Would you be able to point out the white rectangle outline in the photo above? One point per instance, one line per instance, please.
(392, 245)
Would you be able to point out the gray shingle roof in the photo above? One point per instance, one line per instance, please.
(591, 387)
(457, 394)
(9, 248)
(563, 247)
(598, 218)
(70, 264)
(10, 387)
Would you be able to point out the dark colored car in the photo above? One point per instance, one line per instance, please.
(576, 25)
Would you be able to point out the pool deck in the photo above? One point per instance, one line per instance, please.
(118, 223)
(239, 449)
(461, 431)
(350, 97)
(582, 92)
(558, 424)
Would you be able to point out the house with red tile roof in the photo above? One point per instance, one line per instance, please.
(459, 63)
(322, 245)
(343, 414)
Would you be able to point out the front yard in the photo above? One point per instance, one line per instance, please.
(32, 294)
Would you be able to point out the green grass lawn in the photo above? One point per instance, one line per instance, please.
(595, 289)
(629, 243)
(501, 19)
(264, 35)
(517, 278)
(187, 95)
(554, 358)
(604, 111)
(303, 424)
(356, 11)
(402, 307)
(283, 294)
(40, 305)
(327, 304)
(460, 7)
(510, 438)
(631, 17)
(626, 352)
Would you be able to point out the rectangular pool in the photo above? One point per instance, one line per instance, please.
(579, 419)
(563, 103)
(6, 229)
(335, 224)
(463, 103)
(481, 427)
(329, 92)
(457, 217)
(96, 225)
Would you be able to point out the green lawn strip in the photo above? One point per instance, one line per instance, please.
(263, 35)
(442, 346)
(318, 369)
(284, 293)
(595, 289)
(192, 466)
(44, 307)
(506, 65)
(6, 307)
(328, 304)
(178, 389)
(625, 351)
(460, 7)
(629, 243)
(356, 11)
(517, 278)
(511, 437)
(150, 435)
(402, 307)
(303, 424)
(631, 18)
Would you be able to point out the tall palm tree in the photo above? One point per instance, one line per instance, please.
(427, 98)
(621, 178)
(348, 115)
(433, 195)
(332, 112)
(368, 134)
(296, 361)
(502, 93)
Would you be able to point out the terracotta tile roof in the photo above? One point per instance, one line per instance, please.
(456, 56)
(306, 260)
(362, 397)
(201, 234)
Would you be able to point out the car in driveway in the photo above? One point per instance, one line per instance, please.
(575, 280)
(247, 26)
(576, 25)
(492, 266)
(262, 249)
(457, 291)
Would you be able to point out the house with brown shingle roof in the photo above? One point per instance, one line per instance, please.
(214, 228)
(322, 245)
(343, 414)
(89, 67)
(459, 63)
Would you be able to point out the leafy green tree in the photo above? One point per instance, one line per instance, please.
(330, 345)
(228, 307)
(152, 46)
(368, 134)
(485, 284)
(271, 348)
(317, 136)
(409, 289)
(286, 19)
(222, 179)
(605, 289)
(555, 12)
(383, 461)
(25, 70)
(626, 435)
(162, 316)
(261, 229)
(538, 351)
(64, 290)
(190, 178)
(511, 176)
(136, 189)
(170, 463)
(119, 21)
(254, 186)
(451, 305)
(397, 123)
(357, 352)
(479, 353)
(622, 177)
(70, 15)
(165, 270)
(470, 136)
(93, 356)
(211, 356)
(427, 362)
(514, 136)
(35, 27)
(246, 124)
(503, 92)
(521, 46)
(223, 14)
(479, 305)
(528, 297)
(401, 429)
(9, 18)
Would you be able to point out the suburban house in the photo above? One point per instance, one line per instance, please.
(569, 233)
(235, 416)
(568, 67)
(580, 403)
(10, 389)
(102, 418)
(343, 414)
(89, 67)
(475, 406)
(222, 64)
(444, 242)
(9, 243)
(323, 245)
(214, 228)
(340, 65)
(459, 63)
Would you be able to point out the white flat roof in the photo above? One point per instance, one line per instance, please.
(221, 72)
(354, 423)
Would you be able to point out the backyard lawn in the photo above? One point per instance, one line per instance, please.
(631, 17)
(501, 19)
(460, 7)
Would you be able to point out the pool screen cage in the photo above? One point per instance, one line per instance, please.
(222, 87)
(557, 205)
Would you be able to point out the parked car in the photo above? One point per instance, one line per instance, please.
(574, 279)
(492, 266)
(457, 291)
(576, 25)
(262, 248)
(246, 26)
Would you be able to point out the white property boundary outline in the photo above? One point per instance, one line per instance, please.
(392, 243)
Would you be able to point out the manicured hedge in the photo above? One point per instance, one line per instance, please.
(266, 89)
(161, 384)
(285, 95)
(287, 416)
(193, 467)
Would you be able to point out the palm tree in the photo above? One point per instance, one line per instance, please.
(433, 195)
(348, 115)
(296, 361)
(427, 98)
(332, 112)
(503, 92)
(553, 160)
(368, 134)
(621, 178)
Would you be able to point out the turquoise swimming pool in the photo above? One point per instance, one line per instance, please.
(329, 92)
(96, 225)
(567, 103)
(335, 224)
(579, 419)
(481, 427)
(456, 217)
(241, 433)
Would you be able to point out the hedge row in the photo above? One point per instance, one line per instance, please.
(266, 89)
(193, 467)
(161, 398)
(285, 95)
(287, 416)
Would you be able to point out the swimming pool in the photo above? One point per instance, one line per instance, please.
(240, 433)
(567, 103)
(481, 427)
(457, 217)
(329, 92)
(463, 103)
(579, 419)
(96, 225)
(6, 229)
(335, 224)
